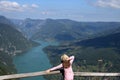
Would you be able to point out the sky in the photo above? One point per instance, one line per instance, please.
(79, 10)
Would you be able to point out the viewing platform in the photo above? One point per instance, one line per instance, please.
(80, 74)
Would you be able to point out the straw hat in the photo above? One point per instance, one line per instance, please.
(64, 57)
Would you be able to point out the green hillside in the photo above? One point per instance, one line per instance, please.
(101, 54)
(11, 38)
(12, 42)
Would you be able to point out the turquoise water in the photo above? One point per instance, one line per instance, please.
(33, 61)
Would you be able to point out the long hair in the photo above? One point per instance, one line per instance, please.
(66, 63)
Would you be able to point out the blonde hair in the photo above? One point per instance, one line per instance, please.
(65, 61)
(64, 57)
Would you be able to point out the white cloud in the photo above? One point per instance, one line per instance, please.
(108, 3)
(34, 6)
(14, 6)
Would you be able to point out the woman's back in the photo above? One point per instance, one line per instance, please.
(67, 66)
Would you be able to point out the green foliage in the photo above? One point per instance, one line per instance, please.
(6, 66)
(11, 42)
(90, 56)
(10, 37)
(54, 77)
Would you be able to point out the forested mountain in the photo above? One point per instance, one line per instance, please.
(62, 29)
(66, 30)
(99, 54)
(12, 42)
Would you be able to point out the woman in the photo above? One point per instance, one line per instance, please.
(66, 64)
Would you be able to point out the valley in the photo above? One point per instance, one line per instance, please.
(89, 42)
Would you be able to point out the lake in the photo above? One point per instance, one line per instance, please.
(33, 61)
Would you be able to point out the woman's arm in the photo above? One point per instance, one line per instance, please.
(54, 68)
(71, 59)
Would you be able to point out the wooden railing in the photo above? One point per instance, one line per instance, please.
(83, 74)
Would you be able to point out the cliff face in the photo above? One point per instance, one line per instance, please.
(12, 42)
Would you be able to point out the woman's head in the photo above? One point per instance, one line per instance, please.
(65, 61)
(64, 57)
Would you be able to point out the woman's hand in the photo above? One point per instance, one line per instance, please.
(47, 71)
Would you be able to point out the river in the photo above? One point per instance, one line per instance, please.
(33, 61)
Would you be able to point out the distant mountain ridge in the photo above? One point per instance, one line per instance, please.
(72, 30)
(28, 26)
(4, 20)
(62, 29)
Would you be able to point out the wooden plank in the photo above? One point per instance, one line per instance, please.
(96, 74)
(82, 74)
(23, 75)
